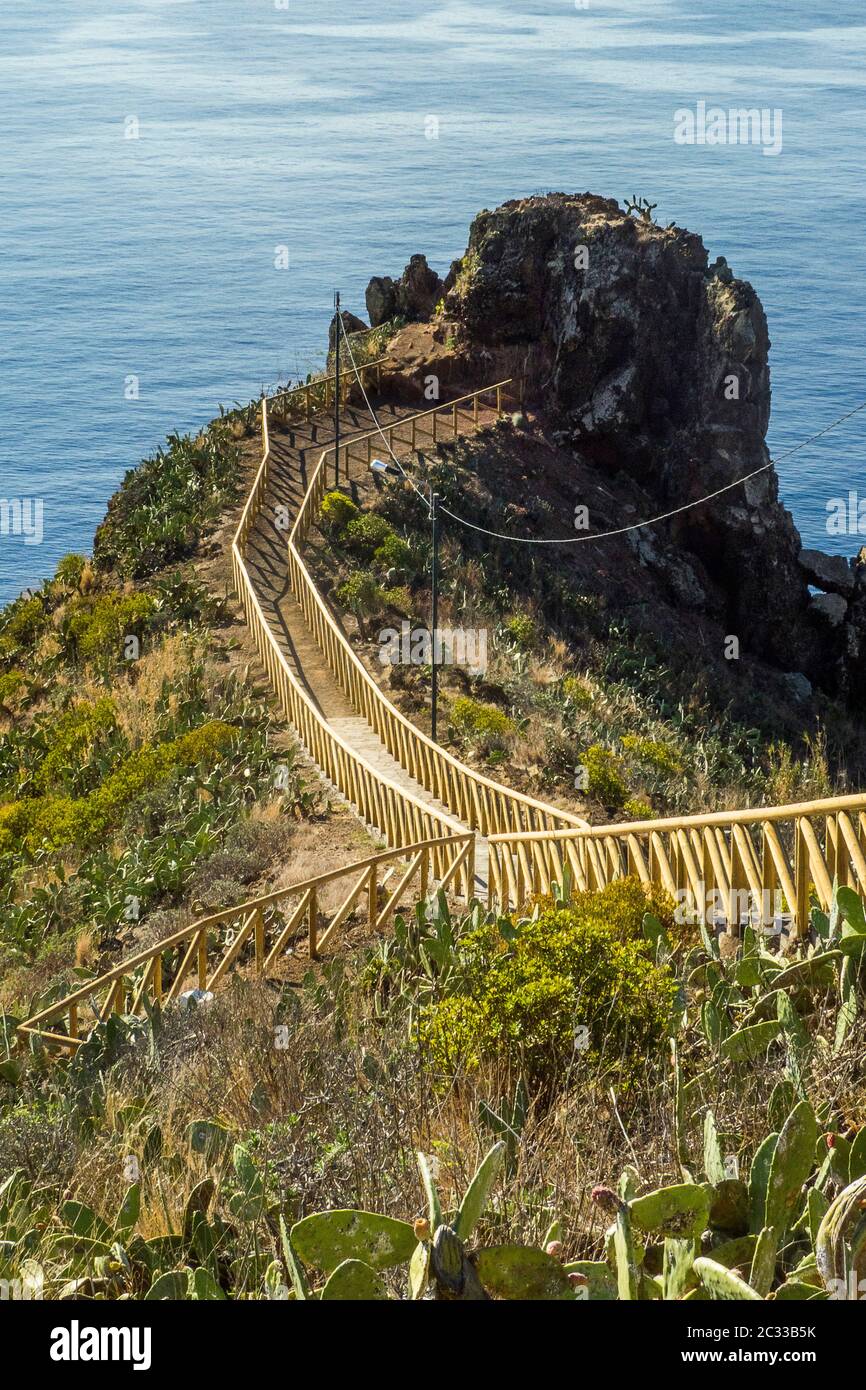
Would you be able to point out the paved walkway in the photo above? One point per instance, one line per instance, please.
(295, 452)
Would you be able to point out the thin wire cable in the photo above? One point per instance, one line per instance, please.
(373, 416)
(662, 516)
(598, 535)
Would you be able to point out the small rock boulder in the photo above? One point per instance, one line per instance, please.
(351, 323)
(414, 296)
(381, 299)
(832, 573)
(831, 608)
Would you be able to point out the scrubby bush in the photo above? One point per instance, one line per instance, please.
(472, 721)
(395, 553)
(366, 534)
(363, 596)
(400, 599)
(652, 754)
(575, 692)
(94, 629)
(70, 569)
(525, 1002)
(75, 741)
(58, 821)
(157, 515)
(521, 628)
(336, 511)
(22, 623)
(638, 809)
(12, 686)
(604, 773)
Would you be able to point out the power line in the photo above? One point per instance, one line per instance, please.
(662, 516)
(375, 420)
(598, 535)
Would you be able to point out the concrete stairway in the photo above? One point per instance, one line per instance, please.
(295, 452)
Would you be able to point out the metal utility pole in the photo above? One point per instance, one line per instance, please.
(339, 333)
(434, 615)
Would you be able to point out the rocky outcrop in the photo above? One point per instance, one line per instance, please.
(414, 296)
(351, 323)
(650, 362)
(832, 573)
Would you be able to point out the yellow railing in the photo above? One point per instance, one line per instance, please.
(255, 933)
(401, 817)
(767, 863)
(317, 395)
(476, 800)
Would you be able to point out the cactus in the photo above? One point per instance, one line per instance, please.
(790, 1166)
(354, 1281)
(326, 1239)
(721, 1283)
(840, 1245)
(678, 1212)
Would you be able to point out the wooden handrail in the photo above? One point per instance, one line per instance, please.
(478, 801)
(284, 396)
(450, 851)
(766, 863)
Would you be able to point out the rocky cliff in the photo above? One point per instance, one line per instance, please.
(646, 362)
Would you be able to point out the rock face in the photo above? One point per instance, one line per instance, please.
(832, 573)
(414, 296)
(351, 323)
(650, 362)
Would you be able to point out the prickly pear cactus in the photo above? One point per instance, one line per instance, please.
(840, 1246)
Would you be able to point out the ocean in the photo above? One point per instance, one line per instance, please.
(161, 158)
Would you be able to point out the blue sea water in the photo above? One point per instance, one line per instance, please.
(305, 124)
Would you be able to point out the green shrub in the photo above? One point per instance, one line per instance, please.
(395, 553)
(525, 1003)
(58, 821)
(362, 595)
(161, 507)
(605, 782)
(70, 569)
(24, 621)
(653, 754)
(366, 534)
(521, 628)
(400, 599)
(575, 692)
(75, 739)
(12, 685)
(336, 512)
(472, 719)
(638, 809)
(94, 629)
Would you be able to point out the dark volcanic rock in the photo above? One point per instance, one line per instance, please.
(832, 573)
(352, 325)
(414, 296)
(381, 300)
(653, 364)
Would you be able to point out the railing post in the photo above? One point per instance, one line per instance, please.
(499, 400)
(260, 940)
(455, 419)
(73, 1020)
(202, 958)
(314, 924)
(156, 979)
(372, 898)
